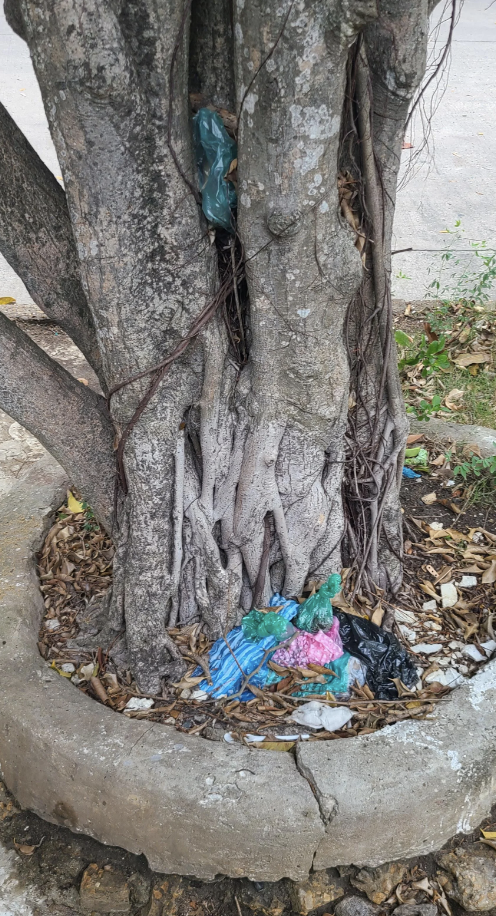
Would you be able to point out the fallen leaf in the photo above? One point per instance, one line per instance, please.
(377, 615)
(73, 504)
(273, 745)
(7, 300)
(469, 359)
(429, 499)
(488, 834)
(408, 310)
(27, 850)
(84, 381)
(490, 574)
(439, 461)
(415, 437)
(454, 398)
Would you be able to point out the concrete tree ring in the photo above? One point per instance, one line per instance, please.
(204, 808)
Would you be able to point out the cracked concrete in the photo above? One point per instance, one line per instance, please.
(196, 807)
(193, 807)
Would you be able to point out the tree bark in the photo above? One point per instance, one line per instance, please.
(68, 418)
(233, 466)
(36, 239)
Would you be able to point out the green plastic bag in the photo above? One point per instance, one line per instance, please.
(417, 458)
(256, 625)
(316, 612)
(215, 150)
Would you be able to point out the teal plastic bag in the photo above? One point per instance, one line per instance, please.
(257, 625)
(347, 671)
(316, 612)
(215, 150)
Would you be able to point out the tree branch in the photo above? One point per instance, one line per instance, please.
(68, 418)
(36, 238)
(13, 16)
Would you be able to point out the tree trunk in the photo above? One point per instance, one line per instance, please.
(268, 450)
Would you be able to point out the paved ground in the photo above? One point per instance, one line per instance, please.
(457, 178)
(455, 181)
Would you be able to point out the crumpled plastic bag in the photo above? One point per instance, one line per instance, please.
(257, 624)
(316, 612)
(316, 715)
(347, 671)
(311, 649)
(380, 651)
(225, 671)
(409, 474)
(417, 458)
(215, 150)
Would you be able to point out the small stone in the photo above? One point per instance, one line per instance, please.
(379, 883)
(318, 890)
(456, 644)
(489, 646)
(355, 906)
(407, 632)
(472, 877)
(448, 678)
(467, 582)
(429, 605)
(104, 891)
(263, 898)
(449, 594)
(432, 625)
(68, 668)
(407, 617)
(473, 653)
(52, 624)
(416, 909)
(427, 648)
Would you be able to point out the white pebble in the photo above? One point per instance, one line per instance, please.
(473, 653)
(429, 605)
(449, 594)
(467, 582)
(427, 648)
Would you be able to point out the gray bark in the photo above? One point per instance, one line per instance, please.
(68, 418)
(36, 238)
(223, 455)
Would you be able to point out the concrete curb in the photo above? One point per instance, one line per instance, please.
(463, 433)
(195, 807)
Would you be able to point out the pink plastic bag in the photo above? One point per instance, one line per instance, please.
(311, 649)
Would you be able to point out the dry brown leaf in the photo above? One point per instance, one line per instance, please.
(469, 359)
(27, 850)
(378, 615)
(439, 461)
(490, 574)
(414, 437)
(454, 398)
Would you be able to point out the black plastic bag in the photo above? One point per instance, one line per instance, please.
(381, 652)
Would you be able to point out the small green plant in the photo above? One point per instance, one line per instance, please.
(425, 409)
(90, 523)
(431, 355)
(476, 467)
(464, 284)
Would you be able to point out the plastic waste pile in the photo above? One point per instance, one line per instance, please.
(344, 650)
(215, 151)
(415, 458)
